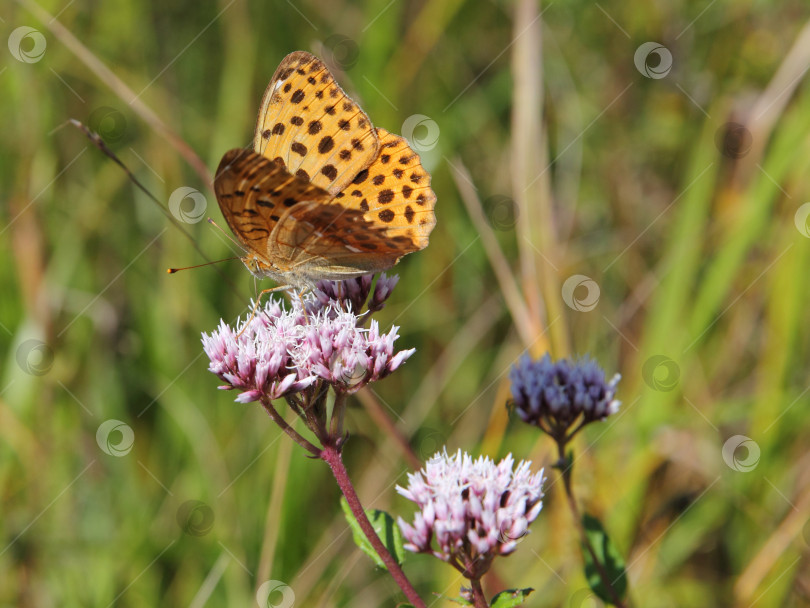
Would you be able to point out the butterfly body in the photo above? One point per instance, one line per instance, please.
(323, 194)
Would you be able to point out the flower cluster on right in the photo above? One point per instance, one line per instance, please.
(474, 509)
(556, 395)
(471, 511)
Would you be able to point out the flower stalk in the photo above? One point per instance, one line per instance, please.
(479, 600)
(566, 467)
(332, 455)
(294, 435)
(560, 398)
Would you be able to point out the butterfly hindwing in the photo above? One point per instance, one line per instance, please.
(310, 124)
(394, 192)
(254, 193)
(333, 242)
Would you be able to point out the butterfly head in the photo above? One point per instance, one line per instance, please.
(258, 267)
(265, 269)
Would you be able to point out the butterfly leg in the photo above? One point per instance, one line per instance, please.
(300, 295)
(258, 301)
(340, 293)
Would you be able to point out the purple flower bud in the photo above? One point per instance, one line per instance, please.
(350, 294)
(248, 396)
(555, 396)
(382, 290)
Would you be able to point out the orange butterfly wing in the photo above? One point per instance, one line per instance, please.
(309, 124)
(254, 193)
(324, 195)
(384, 214)
(394, 192)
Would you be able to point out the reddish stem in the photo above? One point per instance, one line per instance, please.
(479, 599)
(332, 456)
(276, 417)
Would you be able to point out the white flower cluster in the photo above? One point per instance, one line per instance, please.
(474, 509)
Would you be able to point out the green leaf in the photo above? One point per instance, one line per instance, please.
(385, 527)
(456, 600)
(510, 598)
(610, 559)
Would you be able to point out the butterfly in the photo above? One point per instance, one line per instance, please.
(323, 194)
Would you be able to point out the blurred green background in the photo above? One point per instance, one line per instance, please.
(687, 238)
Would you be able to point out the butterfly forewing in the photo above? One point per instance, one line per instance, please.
(312, 126)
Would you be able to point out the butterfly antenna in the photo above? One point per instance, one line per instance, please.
(99, 143)
(218, 227)
(173, 270)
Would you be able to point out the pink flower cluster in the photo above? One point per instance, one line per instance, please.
(281, 351)
(474, 509)
(354, 292)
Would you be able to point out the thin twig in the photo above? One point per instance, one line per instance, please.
(119, 88)
(389, 428)
(770, 105)
(774, 549)
(531, 179)
(503, 273)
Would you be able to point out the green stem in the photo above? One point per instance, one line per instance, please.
(567, 471)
